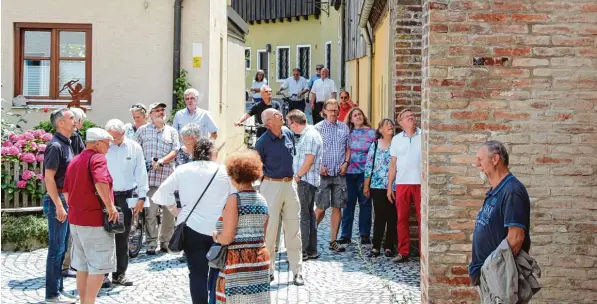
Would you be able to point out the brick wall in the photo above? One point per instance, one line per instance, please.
(406, 21)
(537, 92)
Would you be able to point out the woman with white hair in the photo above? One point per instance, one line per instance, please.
(77, 139)
(189, 133)
(139, 113)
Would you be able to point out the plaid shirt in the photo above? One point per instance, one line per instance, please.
(157, 144)
(336, 137)
(310, 142)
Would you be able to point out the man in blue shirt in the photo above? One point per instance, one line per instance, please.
(505, 213)
(193, 114)
(276, 148)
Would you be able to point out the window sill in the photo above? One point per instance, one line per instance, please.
(49, 106)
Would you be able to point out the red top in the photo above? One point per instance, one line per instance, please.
(344, 111)
(83, 207)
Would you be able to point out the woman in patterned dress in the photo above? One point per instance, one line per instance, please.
(376, 182)
(361, 138)
(242, 226)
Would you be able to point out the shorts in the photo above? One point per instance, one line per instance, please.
(93, 250)
(331, 193)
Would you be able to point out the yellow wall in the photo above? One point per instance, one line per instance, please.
(314, 32)
(357, 82)
(381, 79)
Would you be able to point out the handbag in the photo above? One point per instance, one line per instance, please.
(177, 240)
(216, 256)
(109, 226)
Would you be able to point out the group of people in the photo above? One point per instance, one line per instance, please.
(304, 170)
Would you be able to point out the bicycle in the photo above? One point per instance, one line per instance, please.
(287, 101)
(251, 134)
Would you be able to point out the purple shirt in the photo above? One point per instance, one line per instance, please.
(360, 141)
(336, 137)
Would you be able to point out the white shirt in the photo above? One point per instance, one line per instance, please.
(258, 85)
(323, 89)
(200, 117)
(190, 180)
(407, 151)
(126, 165)
(295, 86)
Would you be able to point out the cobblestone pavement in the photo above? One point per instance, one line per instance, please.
(347, 277)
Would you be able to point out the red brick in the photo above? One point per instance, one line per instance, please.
(587, 29)
(464, 293)
(526, 18)
(437, 6)
(443, 236)
(439, 28)
(450, 280)
(480, 126)
(572, 41)
(468, 28)
(468, 225)
(552, 29)
(510, 72)
(552, 160)
(588, 52)
(446, 16)
(511, 116)
(590, 7)
(468, 5)
(470, 115)
(488, 17)
(510, 6)
(512, 51)
(434, 82)
(492, 39)
(459, 270)
(490, 83)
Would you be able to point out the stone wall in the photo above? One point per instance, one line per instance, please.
(523, 72)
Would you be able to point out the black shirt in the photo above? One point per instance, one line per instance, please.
(57, 156)
(258, 108)
(77, 142)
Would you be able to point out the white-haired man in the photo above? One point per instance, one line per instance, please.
(126, 164)
(160, 143)
(193, 114)
(258, 108)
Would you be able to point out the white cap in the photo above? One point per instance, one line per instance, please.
(95, 134)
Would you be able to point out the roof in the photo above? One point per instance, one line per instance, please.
(236, 20)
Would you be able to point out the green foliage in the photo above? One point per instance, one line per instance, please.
(24, 233)
(180, 85)
(47, 126)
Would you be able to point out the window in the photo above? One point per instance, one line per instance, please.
(49, 55)
(263, 62)
(248, 58)
(303, 59)
(328, 57)
(282, 63)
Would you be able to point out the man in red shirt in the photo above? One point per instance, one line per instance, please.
(93, 247)
(345, 105)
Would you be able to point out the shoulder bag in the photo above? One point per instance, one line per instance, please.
(177, 240)
(216, 256)
(109, 227)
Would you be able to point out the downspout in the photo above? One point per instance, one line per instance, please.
(176, 51)
(365, 11)
(343, 38)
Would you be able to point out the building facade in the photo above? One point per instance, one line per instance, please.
(124, 53)
(287, 34)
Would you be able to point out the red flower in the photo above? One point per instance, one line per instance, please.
(45, 110)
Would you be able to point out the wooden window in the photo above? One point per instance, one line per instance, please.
(303, 59)
(247, 58)
(48, 55)
(282, 63)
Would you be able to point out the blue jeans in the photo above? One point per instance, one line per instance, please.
(354, 188)
(58, 237)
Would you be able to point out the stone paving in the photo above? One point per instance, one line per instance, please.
(347, 277)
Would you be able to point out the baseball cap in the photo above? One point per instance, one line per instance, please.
(95, 134)
(155, 105)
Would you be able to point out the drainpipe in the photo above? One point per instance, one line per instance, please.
(363, 21)
(176, 51)
(343, 38)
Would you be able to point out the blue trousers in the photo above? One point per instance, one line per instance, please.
(195, 246)
(354, 188)
(58, 234)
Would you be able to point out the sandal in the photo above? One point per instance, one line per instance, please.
(388, 253)
(374, 253)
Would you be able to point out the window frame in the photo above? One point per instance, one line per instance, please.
(250, 59)
(266, 76)
(328, 63)
(278, 48)
(54, 97)
(298, 58)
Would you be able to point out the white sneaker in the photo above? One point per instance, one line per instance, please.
(61, 299)
(70, 296)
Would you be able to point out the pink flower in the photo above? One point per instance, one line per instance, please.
(28, 157)
(33, 145)
(4, 150)
(13, 150)
(40, 176)
(6, 143)
(27, 175)
(47, 137)
(39, 158)
(29, 136)
(21, 184)
(45, 110)
(21, 143)
(41, 147)
(39, 133)
(13, 137)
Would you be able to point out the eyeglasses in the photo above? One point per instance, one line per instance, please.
(317, 69)
(137, 106)
(408, 116)
(334, 110)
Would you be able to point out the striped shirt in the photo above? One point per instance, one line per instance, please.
(157, 144)
(310, 142)
(336, 137)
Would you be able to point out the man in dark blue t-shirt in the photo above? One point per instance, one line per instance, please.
(505, 213)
